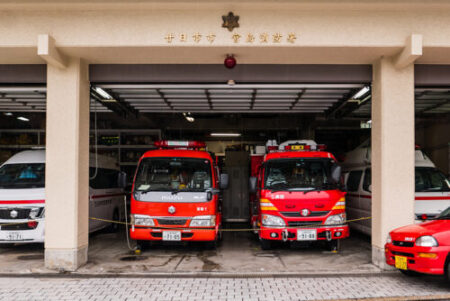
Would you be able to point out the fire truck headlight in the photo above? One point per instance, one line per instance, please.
(426, 241)
(34, 212)
(272, 221)
(337, 219)
(143, 220)
(203, 221)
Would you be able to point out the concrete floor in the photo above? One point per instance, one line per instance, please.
(239, 253)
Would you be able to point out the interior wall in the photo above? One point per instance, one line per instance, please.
(435, 141)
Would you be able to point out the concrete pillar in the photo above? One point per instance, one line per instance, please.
(392, 152)
(67, 166)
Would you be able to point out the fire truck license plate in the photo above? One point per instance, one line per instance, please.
(14, 236)
(171, 235)
(307, 234)
(401, 262)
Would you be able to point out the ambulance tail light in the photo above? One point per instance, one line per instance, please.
(180, 144)
(265, 204)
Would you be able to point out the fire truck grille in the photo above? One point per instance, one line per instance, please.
(407, 244)
(172, 221)
(5, 213)
(304, 223)
(312, 214)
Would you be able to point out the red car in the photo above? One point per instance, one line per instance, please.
(421, 248)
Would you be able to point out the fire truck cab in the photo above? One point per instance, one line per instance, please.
(175, 194)
(299, 194)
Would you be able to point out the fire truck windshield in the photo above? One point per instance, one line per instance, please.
(302, 174)
(173, 174)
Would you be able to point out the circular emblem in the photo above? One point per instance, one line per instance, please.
(172, 210)
(304, 212)
(13, 213)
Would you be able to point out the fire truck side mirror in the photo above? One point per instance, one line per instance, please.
(223, 183)
(122, 180)
(336, 172)
(252, 184)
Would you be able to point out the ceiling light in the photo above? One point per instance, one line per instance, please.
(225, 134)
(23, 118)
(189, 117)
(361, 92)
(102, 93)
(231, 82)
(8, 114)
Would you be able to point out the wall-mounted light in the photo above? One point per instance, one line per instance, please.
(225, 134)
(189, 117)
(23, 118)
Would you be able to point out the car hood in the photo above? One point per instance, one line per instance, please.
(435, 228)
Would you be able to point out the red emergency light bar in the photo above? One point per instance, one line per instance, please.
(180, 144)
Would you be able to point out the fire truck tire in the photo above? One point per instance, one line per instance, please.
(211, 245)
(265, 244)
(334, 245)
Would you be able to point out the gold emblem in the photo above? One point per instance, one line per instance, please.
(277, 37)
(236, 37)
(230, 21)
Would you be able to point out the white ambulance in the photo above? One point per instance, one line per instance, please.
(432, 194)
(22, 196)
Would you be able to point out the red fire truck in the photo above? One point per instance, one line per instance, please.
(298, 188)
(175, 194)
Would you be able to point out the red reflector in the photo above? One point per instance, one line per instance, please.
(424, 216)
(32, 224)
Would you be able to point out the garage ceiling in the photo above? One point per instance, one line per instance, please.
(428, 101)
(236, 98)
(224, 98)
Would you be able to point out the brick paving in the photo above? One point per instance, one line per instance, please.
(305, 288)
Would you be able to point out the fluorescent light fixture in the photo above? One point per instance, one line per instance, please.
(361, 92)
(189, 117)
(23, 118)
(8, 114)
(102, 93)
(225, 134)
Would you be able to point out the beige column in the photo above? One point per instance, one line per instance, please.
(67, 166)
(392, 152)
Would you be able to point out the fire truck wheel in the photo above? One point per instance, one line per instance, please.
(265, 244)
(211, 245)
(334, 245)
